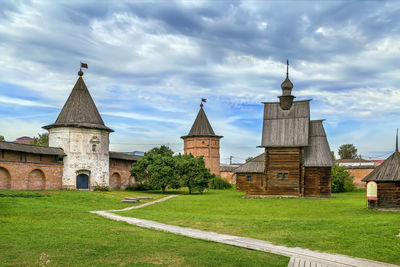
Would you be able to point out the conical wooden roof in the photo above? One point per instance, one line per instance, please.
(80, 110)
(388, 171)
(201, 126)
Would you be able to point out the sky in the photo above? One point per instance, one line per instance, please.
(151, 62)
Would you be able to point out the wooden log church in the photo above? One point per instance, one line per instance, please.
(297, 159)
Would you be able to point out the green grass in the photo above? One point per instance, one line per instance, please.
(57, 226)
(341, 224)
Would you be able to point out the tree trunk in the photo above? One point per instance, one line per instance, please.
(163, 189)
(190, 189)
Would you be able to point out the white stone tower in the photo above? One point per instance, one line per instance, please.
(80, 131)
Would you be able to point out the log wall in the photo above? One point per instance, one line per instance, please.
(284, 160)
(317, 182)
(254, 187)
(388, 196)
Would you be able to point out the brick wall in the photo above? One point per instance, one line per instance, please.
(28, 171)
(30, 176)
(208, 147)
(359, 174)
(120, 173)
(229, 176)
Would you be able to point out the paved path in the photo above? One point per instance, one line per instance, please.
(299, 257)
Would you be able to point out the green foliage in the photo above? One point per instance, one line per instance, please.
(41, 140)
(2, 138)
(157, 167)
(217, 182)
(143, 186)
(347, 151)
(102, 188)
(341, 179)
(192, 172)
(333, 155)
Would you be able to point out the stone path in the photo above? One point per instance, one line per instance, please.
(299, 257)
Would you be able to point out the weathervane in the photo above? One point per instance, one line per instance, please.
(203, 100)
(287, 68)
(83, 65)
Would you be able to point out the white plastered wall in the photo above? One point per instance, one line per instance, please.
(77, 145)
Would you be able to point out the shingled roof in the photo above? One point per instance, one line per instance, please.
(256, 165)
(286, 128)
(201, 126)
(31, 148)
(123, 156)
(318, 153)
(80, 110)
(388, 171)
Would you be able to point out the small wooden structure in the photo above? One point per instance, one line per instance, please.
(297, 160)
(387, 178)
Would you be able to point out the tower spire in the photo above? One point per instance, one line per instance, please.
(287, 68)
(397, 140)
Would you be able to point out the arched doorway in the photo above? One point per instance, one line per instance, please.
(82, 181)
(5, 179)
(115, 181)
(36, 180)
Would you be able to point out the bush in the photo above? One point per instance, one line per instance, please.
(342, 181)
(217, 182)
(102, 188)
(140, 187)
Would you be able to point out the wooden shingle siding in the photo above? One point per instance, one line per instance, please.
(318, 153)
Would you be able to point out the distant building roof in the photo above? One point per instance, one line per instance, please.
(256, 165)
(31, 148)
(388, 171)
(318, 153)
(201, 126)
(228, 167)
(286, 128)
(353, 160)
(24, 140)
(123, 156)
(80, 110)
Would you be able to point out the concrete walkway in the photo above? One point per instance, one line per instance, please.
(298, 256)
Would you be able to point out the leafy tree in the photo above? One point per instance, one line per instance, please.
(249, 158)
(158, 168)
(40, 140)
(342, 181)
(333, 155)
(1, 138)
(216, 182)
(347, 151)
(192, 172)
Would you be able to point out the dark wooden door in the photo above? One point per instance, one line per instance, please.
(82, 181)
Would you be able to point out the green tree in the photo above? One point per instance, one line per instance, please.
(341, 179)
(41, 140)
(347, 151)
(192, 172)
(1, 138)
(158, 168)
(333, 155)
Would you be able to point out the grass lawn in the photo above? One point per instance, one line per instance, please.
(56, 226)
(341, 224)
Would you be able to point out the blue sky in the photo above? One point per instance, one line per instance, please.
(150, 63)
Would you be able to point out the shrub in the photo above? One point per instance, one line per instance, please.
(102, 188)
(342, 181)
(217, 182)
(140, 187)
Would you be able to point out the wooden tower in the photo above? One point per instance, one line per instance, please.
(202, 141)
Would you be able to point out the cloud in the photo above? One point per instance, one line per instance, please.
(151, 62)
